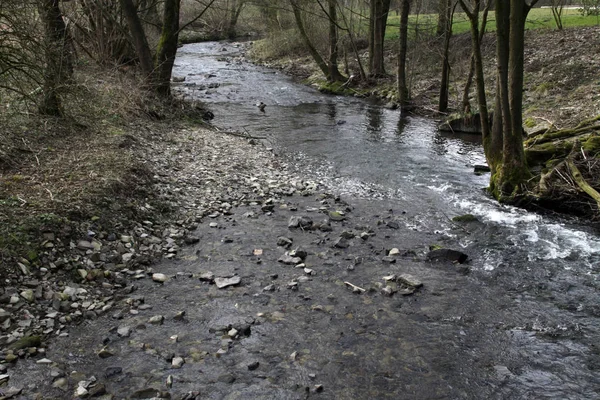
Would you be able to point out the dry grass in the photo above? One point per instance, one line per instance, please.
(80, 168)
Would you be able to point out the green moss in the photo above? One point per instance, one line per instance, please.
(465, 218)
(592, 145)
(25, 342)
(334, 88)
(540, 153)
(530, 122)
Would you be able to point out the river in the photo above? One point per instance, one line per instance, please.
(547, 265)
(519, 320)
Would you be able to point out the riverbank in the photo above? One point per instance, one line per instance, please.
(560, 92)
(90, 202)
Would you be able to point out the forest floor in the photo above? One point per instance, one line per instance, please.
(88, 204)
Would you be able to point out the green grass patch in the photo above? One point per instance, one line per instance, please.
(538, 18)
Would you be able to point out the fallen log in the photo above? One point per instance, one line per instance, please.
(581, 182)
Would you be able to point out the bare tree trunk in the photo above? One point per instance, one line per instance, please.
(167, 47)
(236, 9)
(334, 72)
(512, 172)
(473, 15)
(442, 22)
(59, 66)
(403, 93)
(445, 81)
(380, 10)
(466, 103)
(311, 48)
(139, 38)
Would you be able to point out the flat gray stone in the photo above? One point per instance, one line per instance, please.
(225, 282)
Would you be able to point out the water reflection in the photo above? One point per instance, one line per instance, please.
(374, 116)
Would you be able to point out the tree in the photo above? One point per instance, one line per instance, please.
(158, 70)
(235, 9)
(511, 173)
(472, 11)
(379, 10)
(59, 63)
(445, 81)
(557, 10)
(403, 93)
(442, 23)
(330, 69)
(334, 72)
(466, 103)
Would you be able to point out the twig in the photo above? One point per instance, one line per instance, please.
(243, 135)
(355, 288)
(23, 202)
(50, 193)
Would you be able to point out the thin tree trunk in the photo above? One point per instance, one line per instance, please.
(380, 10)
(473, 15)
(311, 48)
(236, 9)
(445, 82)
(466, 103)
(139, 38)
(334, 72)
(442, 22)
(403, 93)
(59, 67)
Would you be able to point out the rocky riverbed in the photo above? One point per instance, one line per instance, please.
(283, 291)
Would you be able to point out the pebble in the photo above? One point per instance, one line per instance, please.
(159, 278)
(232, 333)
(177, 362)
(124, 331)
(156, 320)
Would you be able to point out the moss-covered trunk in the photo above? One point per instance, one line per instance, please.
(511, 175)
(167, 47)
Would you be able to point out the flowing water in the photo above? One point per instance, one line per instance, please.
(546, 266)
(520, 321)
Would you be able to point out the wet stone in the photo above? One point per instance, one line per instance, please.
(447, 255)
(284, 241)
(124, 331)
(177, 362)
(300, 222)
(393, 225)
(105, 353)
(336, 216)
(410, 281)
(253, 365)
(112, 371)
(225, 282)
(289, 260)
(341, 243)
(156, 320)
